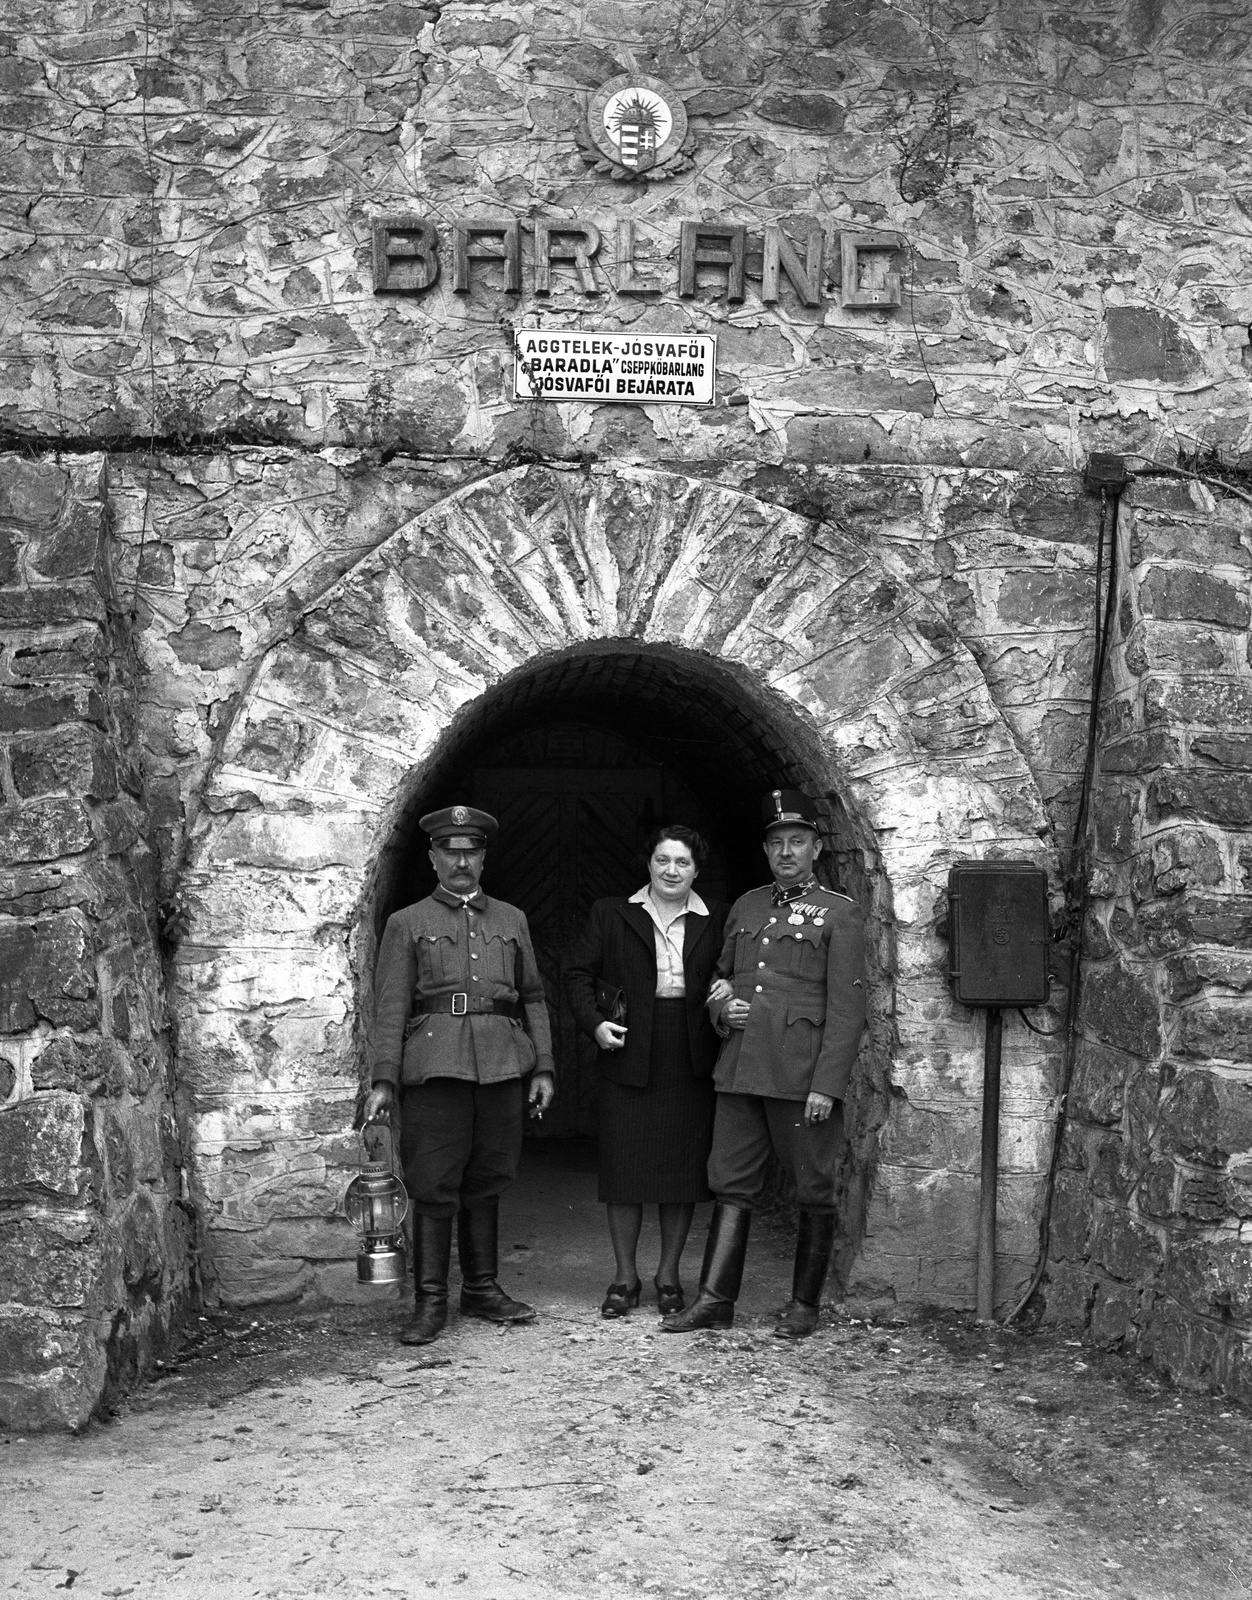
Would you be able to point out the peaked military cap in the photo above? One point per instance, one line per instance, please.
(783, 806)
(459, 827)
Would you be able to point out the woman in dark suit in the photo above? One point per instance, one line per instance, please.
(658, 949)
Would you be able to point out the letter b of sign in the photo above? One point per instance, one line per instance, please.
(406, 255)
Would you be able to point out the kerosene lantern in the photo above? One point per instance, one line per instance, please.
(376, 1204)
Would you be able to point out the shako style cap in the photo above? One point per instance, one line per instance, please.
(783, 806)
(459, 827)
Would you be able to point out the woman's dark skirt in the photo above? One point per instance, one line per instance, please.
(655, 1141)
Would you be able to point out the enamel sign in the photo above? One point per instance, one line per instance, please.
(632, 368)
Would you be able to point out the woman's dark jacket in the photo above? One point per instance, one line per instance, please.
(618, 946)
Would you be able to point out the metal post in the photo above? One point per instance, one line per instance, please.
(986, 1295)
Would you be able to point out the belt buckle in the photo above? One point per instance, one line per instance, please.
(462, 1009)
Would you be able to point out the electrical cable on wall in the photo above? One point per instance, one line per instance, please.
(1108, 473)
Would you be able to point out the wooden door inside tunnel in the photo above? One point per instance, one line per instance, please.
(579, 763)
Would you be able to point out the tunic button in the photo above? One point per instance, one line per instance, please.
(474, 956)
(772, 921)
(759, 987)
(764, 941)
(760, 963)
(473, 977)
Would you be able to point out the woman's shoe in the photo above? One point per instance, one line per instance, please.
(618, 1299)
(669, 1297)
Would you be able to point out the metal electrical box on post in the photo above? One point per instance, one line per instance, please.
(997, 956)
(998, 933)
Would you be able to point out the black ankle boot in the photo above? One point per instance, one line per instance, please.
(814, 1242)
(432, 1251)
(720, 1276)
(477, 1232)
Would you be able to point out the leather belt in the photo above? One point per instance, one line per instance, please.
(464, 1005)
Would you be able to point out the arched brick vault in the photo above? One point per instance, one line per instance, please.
(791, 624)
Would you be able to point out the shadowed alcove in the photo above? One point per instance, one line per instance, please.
(580, 756)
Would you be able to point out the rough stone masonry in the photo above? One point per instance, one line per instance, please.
(270, 542)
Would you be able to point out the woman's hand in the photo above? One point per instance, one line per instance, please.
(720, 989)
(611, 1036)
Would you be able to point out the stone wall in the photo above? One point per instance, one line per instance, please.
(94, 1248)
(1152, 1234)
(188, 192)
(187, 197)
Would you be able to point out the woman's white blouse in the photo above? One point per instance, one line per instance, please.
(669, 929)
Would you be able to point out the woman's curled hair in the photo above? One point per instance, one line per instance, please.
(682, 835)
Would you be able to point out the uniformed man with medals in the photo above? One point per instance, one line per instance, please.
(460, 1024)
(792, 1013)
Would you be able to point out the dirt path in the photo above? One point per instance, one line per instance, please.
(300, 1455)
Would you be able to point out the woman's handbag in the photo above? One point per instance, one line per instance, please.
(610, 1002)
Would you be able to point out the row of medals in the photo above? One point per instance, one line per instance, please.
(798, 909)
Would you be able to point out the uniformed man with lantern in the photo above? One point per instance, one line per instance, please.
(460, 1025)
(791, 1008)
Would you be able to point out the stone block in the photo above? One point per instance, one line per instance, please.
(858, 392)
(1071, 1219)
(59, 654)
(1216, 1030)
(44, 831)
(71, 549)
(1141, 752)
(1098, 1091)
(72, 761)
(1112, 1316)
(1173, 647)
(812, 113)
(1157, 1189)
(1213, 704)
(245, 1274)
(1116, 815)
(1145, 346)
(45, 1148)
(47, 969)
(1196, 970)
(87, 1064)
(50, 1261)
(1221, 797)
(53, 1369)
(1223, 750)
(1212, 1277)
(53, 605)
(1127, 1249)
(32, 710)
(200, 645)
(1181, 594)
(1203, 1196)
(31, 492)
(1198, 918)
(1067, 1294)
(1208, 1118)
(1185, 858)
(1040, 510)
(1120, 1007)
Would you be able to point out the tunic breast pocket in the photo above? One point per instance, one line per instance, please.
(498, 958)
(807, 952)
(438, 960)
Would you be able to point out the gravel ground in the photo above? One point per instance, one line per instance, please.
(298, 1454)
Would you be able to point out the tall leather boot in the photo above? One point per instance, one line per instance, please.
(721, 1274)
(477, 1238)
(432, 1251)
(814, 1242)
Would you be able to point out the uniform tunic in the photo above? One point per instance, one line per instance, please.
(802, 968)
(442, 946)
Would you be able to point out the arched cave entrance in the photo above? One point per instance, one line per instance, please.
(579, 756)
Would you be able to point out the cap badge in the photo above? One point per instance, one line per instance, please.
(460, 816)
